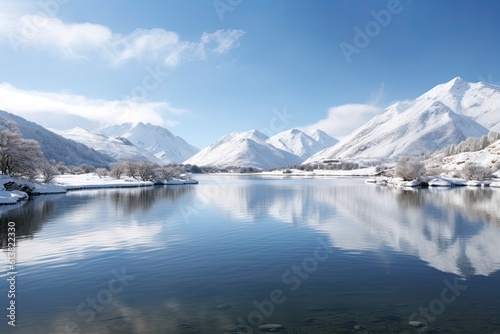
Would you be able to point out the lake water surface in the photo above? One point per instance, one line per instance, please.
(316, 255)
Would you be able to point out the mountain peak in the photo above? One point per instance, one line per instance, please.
(322, 137)
(295, 131)
(458, 80)
(457, 85)
(255, 133)
(451, 94)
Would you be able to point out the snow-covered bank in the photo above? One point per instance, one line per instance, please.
(362, 172)
(14, 190)
(432, 182)
(175, 182)
(93, 181)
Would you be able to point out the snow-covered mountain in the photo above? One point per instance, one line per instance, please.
(118, 148)
(243, 149)
(156, 140)
(445, 115)
(296, 142)
(322, 138)
(479, 101)
(55, 146)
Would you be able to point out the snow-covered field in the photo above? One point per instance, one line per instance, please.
(93, 181)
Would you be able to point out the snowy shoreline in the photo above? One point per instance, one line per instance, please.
(14, 191)
(362, 172)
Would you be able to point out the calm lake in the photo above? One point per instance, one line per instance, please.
(316, 255)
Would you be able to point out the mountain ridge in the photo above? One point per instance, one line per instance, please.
(119, 148)
(157, 140)
(243, 149)
(444, 115)
(56, 147)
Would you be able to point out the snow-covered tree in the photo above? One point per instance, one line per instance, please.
(493, 136)
(48, 172)
(410, 169)
(75, 170)
(146, 170)
(61, 168)
(117, 169)
(18, 156)
(132, 168)
(168, 172)
(101, 172)
(86, 168)
(471, 171)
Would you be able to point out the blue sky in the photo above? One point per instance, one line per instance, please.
(206, 68)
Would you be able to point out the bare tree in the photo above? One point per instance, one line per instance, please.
(101, 172)
(168, 172)
(75, 170)
(61, 168)
(471, 171)
(87, 168)
(146, 170)
(132, 168)
(117, 169)
(48, 172)
(410, 169)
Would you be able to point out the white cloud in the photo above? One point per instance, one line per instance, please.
(103, 112)
(342, 120)
(166, 46)
(46, 33)
(223, 40)
(81, 40)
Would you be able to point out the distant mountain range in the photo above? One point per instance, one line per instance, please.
(119, 148)
(322, 138)
(154, 139)
(254, 149)
(296, 142)
(139, 142)
(445, 115)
